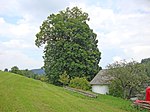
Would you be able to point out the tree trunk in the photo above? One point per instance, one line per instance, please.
(124, 93)
(130, 92)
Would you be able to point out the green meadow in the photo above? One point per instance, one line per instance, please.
(22, 94)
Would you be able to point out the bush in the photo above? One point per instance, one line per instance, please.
(115, 89)
(79, 83)
(42, 78)
(64, 78)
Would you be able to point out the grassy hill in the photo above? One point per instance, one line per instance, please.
(21, 94)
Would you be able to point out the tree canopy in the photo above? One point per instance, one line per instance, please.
(15, 69)
(26, 72)
(70, 45)
(146, 62)
(127, 78)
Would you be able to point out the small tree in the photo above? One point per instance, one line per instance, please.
(15, 69)
(64, 78)
(5, 70)
(128, 78)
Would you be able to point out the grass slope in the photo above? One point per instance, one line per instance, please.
(21, 94)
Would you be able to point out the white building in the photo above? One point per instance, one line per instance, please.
(100, 83)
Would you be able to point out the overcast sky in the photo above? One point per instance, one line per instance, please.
(122, 27)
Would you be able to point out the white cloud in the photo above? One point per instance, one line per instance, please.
(138, 52)
(20, 29)
(15, 44)
(9, 8)
(117, 58)
(122, 28)
(10, 58)
(122, 25)
(2, 21)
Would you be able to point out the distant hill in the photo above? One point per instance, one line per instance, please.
(22, 94)
(38, 71)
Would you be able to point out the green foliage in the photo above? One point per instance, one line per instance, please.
(21, 94)
(128, 78)
(64, 78)
(146, 62)
(115, 89)
(5, 70)
(79, 83)
(15, 69)
(27, 73)
(42, 78)
(71, 45)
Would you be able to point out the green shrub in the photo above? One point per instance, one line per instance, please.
(64, 78)
(79, 83)
(42, 78)
(115, 89)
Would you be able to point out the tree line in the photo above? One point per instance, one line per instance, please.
(27, 73)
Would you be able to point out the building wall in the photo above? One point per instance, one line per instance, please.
(101, 89)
